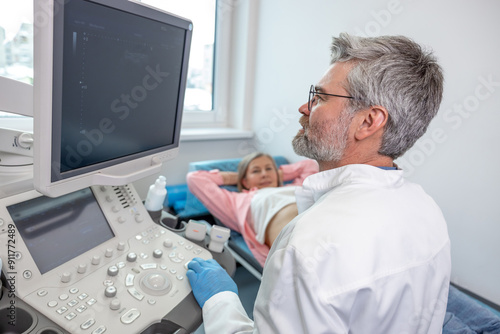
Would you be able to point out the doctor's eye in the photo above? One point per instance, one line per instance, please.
(317, 98)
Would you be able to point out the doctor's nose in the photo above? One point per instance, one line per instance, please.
(304, 110)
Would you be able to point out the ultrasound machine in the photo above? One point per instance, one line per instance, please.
(79, 251)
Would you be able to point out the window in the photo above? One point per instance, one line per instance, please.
(16, 46)
(199, 89)
(219, 89)
(16, 50)
(16, 40)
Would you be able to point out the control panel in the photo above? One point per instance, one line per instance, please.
(93, 261)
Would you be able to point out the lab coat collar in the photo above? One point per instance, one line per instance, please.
(317, 185)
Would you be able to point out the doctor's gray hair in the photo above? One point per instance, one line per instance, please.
(396, 73)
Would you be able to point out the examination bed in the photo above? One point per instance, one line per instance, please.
(464, 313)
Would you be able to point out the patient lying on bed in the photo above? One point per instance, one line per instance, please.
(262, 207)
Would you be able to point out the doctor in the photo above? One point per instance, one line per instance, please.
(369, 251)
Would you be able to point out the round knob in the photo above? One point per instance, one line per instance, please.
(109, 252)
(66, 277)
(157, 253)
(115, 209)
(25, 140)
(109, 199)
(168, 243)
(113, 271)
(121, 246)
(139, 219)
(82, 268)
(121, 220)
(110, 291)
(131, 257)
(96, 259)
(102, 188)
(115, 304)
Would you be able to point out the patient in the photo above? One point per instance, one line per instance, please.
(262, 207)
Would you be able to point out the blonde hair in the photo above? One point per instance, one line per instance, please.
(243, 167)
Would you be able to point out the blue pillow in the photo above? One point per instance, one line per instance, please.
(193, 206)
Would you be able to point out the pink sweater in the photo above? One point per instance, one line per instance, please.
(233, 208)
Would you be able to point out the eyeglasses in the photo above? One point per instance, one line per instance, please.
(312, 93)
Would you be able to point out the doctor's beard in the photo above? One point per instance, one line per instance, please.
(324, 141)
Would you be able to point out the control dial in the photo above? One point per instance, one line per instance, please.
(131, 257)
(96, 259)
(113, 271)
(115, 304)
(25, 140)
(109, 252)
(120, 246)
(157, 253)
(110, 291)
(82, 268)
(66, 277)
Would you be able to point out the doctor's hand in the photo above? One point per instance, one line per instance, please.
(207, 279)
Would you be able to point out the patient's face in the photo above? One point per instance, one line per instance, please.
(261, 174)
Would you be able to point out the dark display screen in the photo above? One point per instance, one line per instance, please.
(56, 230)
(120, 85)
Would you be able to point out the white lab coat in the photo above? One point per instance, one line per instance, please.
(369, 253)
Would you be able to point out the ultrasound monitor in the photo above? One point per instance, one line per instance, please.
(110, 77)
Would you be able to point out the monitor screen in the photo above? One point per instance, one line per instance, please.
(118, 79)
(57, 230)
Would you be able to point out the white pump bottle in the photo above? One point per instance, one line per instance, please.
(156, 197)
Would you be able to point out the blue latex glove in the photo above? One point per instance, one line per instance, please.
(208, 278)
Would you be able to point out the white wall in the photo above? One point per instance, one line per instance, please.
(457, 161)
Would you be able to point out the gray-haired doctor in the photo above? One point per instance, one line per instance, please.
(369, 251)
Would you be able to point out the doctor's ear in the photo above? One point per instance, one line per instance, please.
(371, 121)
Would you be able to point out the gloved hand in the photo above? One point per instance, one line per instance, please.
(208, 278)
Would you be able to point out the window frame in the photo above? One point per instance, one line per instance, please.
(217, 117)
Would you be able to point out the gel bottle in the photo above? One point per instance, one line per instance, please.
(155, 198)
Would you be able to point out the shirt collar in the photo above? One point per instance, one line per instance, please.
(317, 185)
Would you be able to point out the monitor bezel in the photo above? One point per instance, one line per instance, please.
(119, 171)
